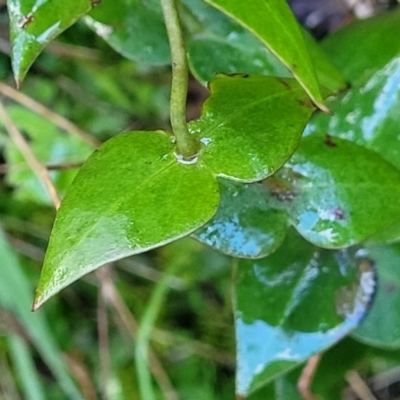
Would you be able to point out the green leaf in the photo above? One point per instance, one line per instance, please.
(275, 25)
(245, 148)
(130, 196)
(381, 327)
(330, 204)
(247, 224)
(368, 114)
(34, 24)
(15, 296)
(328, 76)
(362, 48)
(293, 304)
(216, 34)
(134, 29)
(51, 146)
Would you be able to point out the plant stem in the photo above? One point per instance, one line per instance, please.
(144, 335)
(187, 145)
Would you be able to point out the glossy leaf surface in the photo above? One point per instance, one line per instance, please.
(15, 297)
(275, 25)
(243, 52)
(134, 29)
(216, 35)
(368, 113)
(130, 196)
(381, 327)
(250, 149)
(331, 205)
(292, 304)
(34, 24)
(247, 224)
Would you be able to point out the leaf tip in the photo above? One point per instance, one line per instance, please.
(323, 108)
(36, 305)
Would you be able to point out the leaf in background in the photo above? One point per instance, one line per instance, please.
(216, 34)
(333, 206)
(381, 327)
(130, 196)
(247, 223)
(329, 77)
(15, 296)
(275, 25)
(51, 146)
(368, 113)
(363, 47)
(297, 302)
(26, 368)
(134, 29)
(34, 24)
(250, 149)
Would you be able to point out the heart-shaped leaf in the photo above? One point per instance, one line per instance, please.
(134, 29)
(130, 196)
(275, 25)
(295, 303)
(247, 224)
(250, 149)
(34, 24)
(381, 327)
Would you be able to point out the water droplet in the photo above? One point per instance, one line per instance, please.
(206, 141)
(187, 161)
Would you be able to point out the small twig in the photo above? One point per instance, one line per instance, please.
(5, 168)
(50, 115)
(82, 376)
(306, 377)
(26, 248)
(358, 385)
(60, 49)
(20, 141)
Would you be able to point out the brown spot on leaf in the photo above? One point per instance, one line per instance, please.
(307, 103)
(284, 83)
(95, 2)
(339, 214)
(28, 20)
(390, 288)
(238, 74)
(280, 189)
(329, 141)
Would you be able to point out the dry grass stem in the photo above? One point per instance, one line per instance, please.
(40, 109)
(18, 138)
(359, 387)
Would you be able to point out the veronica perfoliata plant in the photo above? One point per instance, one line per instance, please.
(292, 170)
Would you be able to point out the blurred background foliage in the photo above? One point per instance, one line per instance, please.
(80, 345)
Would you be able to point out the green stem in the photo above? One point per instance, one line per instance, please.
(187, 145)
(144, 334)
